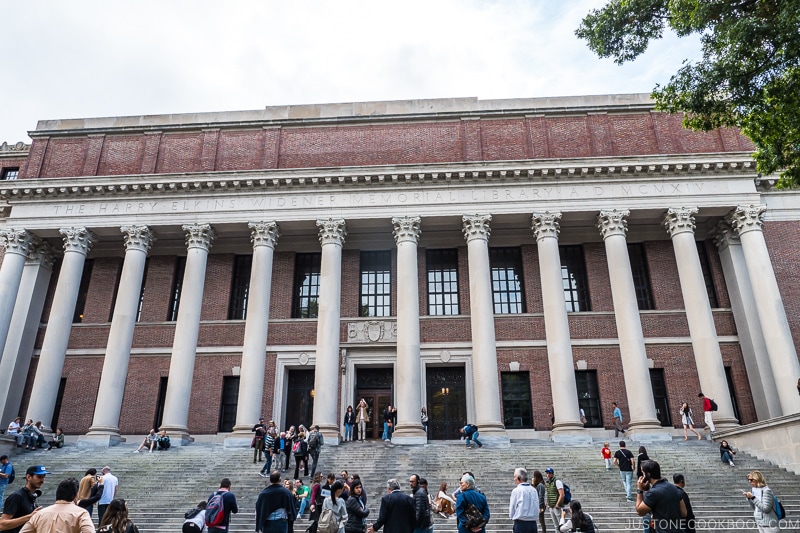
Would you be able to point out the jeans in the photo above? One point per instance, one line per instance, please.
(386, 435)
(314, 456)
(276, 526)
(303, 505)
(348, 432)
(2, 494)
(101, 510)
(727, 457)
(627, 479)
(267, 465)
(300, 460)
(474, 437)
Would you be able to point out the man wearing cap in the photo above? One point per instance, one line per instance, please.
(64, 515)
(553, 496)
(21, 505)
(110, 484)
(523, 508)
(5, 473)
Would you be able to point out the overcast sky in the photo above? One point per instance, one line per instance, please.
(105, 58)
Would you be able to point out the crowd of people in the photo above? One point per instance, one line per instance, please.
(30, 436)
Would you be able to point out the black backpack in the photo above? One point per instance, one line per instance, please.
(472, 516)
(714, 406)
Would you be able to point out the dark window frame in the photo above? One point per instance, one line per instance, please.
(305, 292)
(177, 288)
(708, 276)
(83, 291)
(10, 174)
(589, 397)
(516, 397)
(240, 287)
(375, 284)
(574, 278)
(508, 283)
(641, 276)
(141, 292)
(442, 282)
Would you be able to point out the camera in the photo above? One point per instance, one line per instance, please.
(34, 496)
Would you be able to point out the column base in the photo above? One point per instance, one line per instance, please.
(570, 432)
(241, 437)
(724, 423)
(409, 434)
(493, 434)
(331, 434)
(178, 436)
(101, 437)
(649, 434)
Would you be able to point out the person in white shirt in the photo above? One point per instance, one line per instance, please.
(110, 484)
(195, 519)
(14, 429)
(523, 508)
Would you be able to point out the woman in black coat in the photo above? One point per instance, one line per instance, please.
(357, 511)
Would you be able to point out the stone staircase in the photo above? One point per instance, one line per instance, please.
(160, 486)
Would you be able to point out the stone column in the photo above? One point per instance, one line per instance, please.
(332, 233)
(488, 415)
(199, 238)
(546, 226)
(748, 326)
(264, 236)
(105, 424)
(747, 221)
(24, 328)
(635, 370)
(77, 243)
(408, 397)
(679, 223)
(17, 243)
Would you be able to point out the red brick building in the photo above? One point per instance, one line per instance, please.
(508, 263)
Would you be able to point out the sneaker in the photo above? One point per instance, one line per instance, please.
(262, 474)
(443, 515)
(731, 463)
(136, 451)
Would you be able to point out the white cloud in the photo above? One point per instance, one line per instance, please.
(92, 58)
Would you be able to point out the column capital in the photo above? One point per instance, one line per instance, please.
(264, 233)
(199, 236)
(679, 220)
(476, 227)
(332, 231)
(613, 222)
(138, 238)
(406, 229)
(16, 241)
(747, 218)
(41, 253)
(546, 224)
(724, 235)
(78, 240)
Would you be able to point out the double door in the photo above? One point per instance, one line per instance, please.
(377, 400)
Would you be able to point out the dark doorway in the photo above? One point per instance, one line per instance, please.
(447, 402)
(589, 397)
(160, 401)
(59, 399)
(729, 378)
(228, 405)
(300, 398)
(660, 396)
(375, 386)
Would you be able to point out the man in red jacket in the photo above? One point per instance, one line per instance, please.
(707, 412)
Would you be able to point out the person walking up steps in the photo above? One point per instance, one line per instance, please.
(624, 459)
(708, 410)
(617, 417)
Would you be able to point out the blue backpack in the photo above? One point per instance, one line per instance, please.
(779, 510)
(215, 510)
(567, 493)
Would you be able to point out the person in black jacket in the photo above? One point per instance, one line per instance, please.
(275, 506)
(357, 511)
(688, 522)
(300, 448)
(397, 511)
(349, 422)
(422, 506)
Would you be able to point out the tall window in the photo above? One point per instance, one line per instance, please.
(161, 399)
(177, 286)
(517, 409)
(307, 269)
(376, 284)
(707, 277)
(589, 397)
(83, 291)
(641, 276)
(141, 293)
(10, 173)
(659, 385)
(573, 276)
(442, 268)
(116, 292)
(506, 265)
(240, 287)
(228, 404)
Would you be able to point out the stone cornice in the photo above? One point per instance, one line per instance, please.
(541, 171)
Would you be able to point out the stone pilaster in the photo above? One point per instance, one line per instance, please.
(104, 430)
(77, 243)
(488, 415)
(747, 221)
(408, 373)
(613, 225)
(264, 236)
(199, 238)
(332, 233)
(546, 227)
(679, 223)
(17, 243)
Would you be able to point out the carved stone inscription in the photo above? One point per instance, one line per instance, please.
(372, 331)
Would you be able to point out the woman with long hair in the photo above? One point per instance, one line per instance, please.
(538, 484)
(762, 501)
(349, 422)
(445, 505)
(116, 520)
(726, 453)
(577, 521)
(337, 505)
(357, 511)
(688, 423)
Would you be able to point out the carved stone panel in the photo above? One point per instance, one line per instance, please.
(378, 331)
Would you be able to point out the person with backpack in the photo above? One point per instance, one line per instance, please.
(470, 433)
(624, 459)
(708, 409)
(763, 502)
(300, 451)
(315, 443)
(472, 509)
(219, 508)
(6, 477)
(555, 496)
(195, 519)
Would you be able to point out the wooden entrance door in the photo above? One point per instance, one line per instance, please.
(447, 402)
(377, 400)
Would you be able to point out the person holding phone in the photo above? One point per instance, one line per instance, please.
(658, 496)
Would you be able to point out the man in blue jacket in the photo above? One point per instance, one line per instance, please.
(228, 505)
(468, 496)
